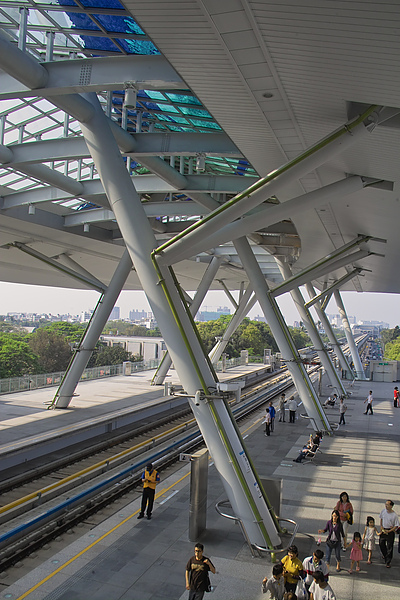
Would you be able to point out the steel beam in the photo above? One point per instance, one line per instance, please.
(283, 338)
(329, 290)
(93, 331)
(152, 72)
(349, 336)
(264, 217)
(150, 144)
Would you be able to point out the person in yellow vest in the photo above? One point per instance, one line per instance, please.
(150, 478)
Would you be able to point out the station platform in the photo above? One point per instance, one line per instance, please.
(121, 558)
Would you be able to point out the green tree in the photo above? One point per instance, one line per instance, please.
(16, 357)
(392, 349)
(111, 355)
(300, 337)
(72, 332)
(52, 349)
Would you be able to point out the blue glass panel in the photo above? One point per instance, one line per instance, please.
(102, 3)
(120, 24)
(209, 124)
(195, 112)
(153, 95)
(182, 99)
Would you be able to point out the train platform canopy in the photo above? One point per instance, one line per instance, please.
(280, 117)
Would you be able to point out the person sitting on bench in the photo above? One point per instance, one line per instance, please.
(330, 401)
(308, 451)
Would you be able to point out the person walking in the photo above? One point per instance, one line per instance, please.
(196, 574)
(267, 421)
(369, 401)
(150, 478)
(396, 397)
(346, 512)
(368, 538)
(334, 539)
(272, 412)
(389, 523)
(282, 402)
(356, 551)
(342, 411)
(292, 409)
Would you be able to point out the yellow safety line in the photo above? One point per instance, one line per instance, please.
(82, 552)
(54, 486)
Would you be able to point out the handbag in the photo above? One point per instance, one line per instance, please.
(349, 517)
(301, 591)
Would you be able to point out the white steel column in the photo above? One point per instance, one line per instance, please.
(312, 331)
(99, 318)
(282, 336)
(329, 331)
(245, 305)
(216, 422)
(349, 336)
(202, 290)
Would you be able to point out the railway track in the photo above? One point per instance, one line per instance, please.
(35, 512)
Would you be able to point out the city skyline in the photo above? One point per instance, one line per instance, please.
(38, 299)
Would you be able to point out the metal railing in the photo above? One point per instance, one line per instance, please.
(43, 380)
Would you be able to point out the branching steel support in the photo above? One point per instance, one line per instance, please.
(349, 336)
(212, 413)
(312, 331)
(202, 290)
(282, 336)
(328, 330)
(99, 318)
(245, 305)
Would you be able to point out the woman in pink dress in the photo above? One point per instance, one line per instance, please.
(356, 551)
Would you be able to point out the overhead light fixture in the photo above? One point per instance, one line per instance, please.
(268, 95)
(200, 162)
(86, 227)
(31, 209)
(130, 95)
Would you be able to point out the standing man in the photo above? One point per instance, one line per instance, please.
(314, 563)
(196, 574)
(396, 397)
(282, 403)
(342, 410)
(292, 409)
(369, 403)
(267, 421)
(389, 524)
(272, 412)
(150, 478)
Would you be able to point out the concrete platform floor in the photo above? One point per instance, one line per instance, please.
(126, 559)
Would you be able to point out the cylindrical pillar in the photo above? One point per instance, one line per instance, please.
(349, 337)
(71, 378)
(312, 331)
(213, 416)
(282, 336)
(329, 331)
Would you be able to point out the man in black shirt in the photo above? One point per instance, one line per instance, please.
(196, 573)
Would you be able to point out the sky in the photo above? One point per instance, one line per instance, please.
(38, 299)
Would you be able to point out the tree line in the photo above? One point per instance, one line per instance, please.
(391, 343)
(49, 348)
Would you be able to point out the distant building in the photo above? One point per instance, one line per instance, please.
(85, 316)
(137, 315)
(115, 314)
(208, 315)
(260, 318)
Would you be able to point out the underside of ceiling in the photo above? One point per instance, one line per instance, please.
(227, 92)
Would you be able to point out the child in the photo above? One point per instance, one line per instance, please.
(368, 538)
(356, 551)
(276, 584)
